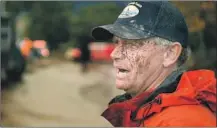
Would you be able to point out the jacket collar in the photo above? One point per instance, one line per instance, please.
(123, 109)
(188, 88)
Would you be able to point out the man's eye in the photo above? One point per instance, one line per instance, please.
(115, 42)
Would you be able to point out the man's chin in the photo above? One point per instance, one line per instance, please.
(120, 86)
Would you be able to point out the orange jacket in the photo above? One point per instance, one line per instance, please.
(191, 102)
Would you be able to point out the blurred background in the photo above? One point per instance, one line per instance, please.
(54, 74)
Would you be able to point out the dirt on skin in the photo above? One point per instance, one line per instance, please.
(60, 95)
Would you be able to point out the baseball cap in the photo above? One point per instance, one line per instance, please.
(145, 19)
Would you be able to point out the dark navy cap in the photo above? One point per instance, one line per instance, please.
(145, 19)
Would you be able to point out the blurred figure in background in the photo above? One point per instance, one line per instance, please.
(26, 46)
(83, 44)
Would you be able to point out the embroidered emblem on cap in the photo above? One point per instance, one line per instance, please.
(129, 11)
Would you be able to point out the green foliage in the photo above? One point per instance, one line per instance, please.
(191, 11)
(50, 22)
(94, 15)
(55, 21)
(102, 13)
(18, 6)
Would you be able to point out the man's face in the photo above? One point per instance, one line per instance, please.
(135, 63)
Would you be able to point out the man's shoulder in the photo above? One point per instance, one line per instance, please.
(191, 110)
(184, 115)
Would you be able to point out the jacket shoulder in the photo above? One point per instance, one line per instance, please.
(185, 115)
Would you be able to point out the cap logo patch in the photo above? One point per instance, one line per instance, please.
(129, 11)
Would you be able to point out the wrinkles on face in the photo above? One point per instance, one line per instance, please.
(141, 58)
(139, 54)
(131, 51)
(145, 60)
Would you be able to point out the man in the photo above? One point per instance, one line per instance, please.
(151, 47)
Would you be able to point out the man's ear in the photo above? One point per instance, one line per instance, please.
(172, 54)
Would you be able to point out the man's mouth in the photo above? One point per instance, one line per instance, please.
(121, 73)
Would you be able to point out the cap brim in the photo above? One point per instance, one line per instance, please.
(106, 32)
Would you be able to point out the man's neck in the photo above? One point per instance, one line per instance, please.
(155, 80)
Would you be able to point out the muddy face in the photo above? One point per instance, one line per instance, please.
(135, 63)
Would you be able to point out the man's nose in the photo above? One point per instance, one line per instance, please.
(116, 53)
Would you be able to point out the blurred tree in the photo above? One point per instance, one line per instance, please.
(56, 22)
(191, 11)
(208, 15)
(94, 15)
(49, 20)
(201, 20)
(15, 7)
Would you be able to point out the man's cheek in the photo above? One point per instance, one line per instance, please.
(142, 65)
